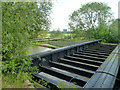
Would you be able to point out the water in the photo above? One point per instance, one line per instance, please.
(37, 49)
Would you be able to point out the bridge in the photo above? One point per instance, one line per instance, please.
(89, 64)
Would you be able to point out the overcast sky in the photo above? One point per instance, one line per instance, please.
(63, 8)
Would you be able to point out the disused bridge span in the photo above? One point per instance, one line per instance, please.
(89, 64)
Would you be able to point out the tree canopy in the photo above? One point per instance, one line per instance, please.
(94, 20)
(56, 33)
(21, 21)
(90, 16)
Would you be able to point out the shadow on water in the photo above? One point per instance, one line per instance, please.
(37, 49)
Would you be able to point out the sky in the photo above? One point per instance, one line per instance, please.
(63, 8)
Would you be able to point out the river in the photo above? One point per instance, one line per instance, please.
(37, 49)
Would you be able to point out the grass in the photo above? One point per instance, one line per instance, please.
(49, 45)
(11, 81)
(66, 34)
(73, 39)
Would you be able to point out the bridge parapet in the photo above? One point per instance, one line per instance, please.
(53, 55)
(106, 74)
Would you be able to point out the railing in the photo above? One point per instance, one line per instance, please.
(106, 74)
(61, 52)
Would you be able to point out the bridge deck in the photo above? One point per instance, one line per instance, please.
(93, 67)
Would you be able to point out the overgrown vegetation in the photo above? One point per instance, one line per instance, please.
(94, 20)
(21, 21)
(56, 34)
(63, 84)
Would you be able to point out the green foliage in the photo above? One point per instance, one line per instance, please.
(14, 38)
(43, 34)
(41, 19)
(44, 83)
(21, 21)
(89, 16)
(102, 32)
(11, 81)
(56, 34)
(114, 31)
(108, 33)
(78, 33)
(40, 84)
(63, 84)
(94, 21)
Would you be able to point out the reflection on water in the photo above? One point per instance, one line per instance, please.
(37, 49)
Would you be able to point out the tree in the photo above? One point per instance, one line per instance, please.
(89, 16)
(43, 34)
(102, 32)
(56, 34)
(20, 21)
(41, 21)
(114, 31)
(108, 33)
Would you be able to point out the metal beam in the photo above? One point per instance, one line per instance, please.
(79, 71)
(79, 64)
(89, 61)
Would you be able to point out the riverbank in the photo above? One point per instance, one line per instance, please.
(45, 44)
(57, 44)
(65, 43)
(37, 49)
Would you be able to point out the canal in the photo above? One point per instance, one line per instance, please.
(37, 49)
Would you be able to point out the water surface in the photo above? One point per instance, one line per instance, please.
(37, 49)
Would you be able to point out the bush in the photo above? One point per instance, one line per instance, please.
(19, 22)
(56, 34)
